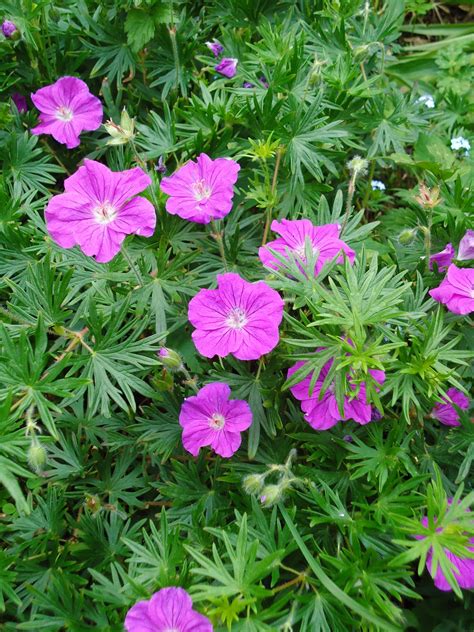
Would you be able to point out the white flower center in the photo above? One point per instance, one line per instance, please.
(201, 191)
(217, 421)
(105, 213)
(64, 114)
(237, 319)
(300, 251)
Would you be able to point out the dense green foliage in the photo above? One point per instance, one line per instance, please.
(100, 506)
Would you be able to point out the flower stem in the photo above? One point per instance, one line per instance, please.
(350, 197)
(272, 192)
(132, 267)
(217, 234)
(427, 232)
(174, 46)
(369, 185)
(190, 381)
(260, 366)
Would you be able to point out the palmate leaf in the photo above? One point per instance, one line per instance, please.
(7, 582)
(240, 575)
(25, 371)
(119, 357)
(26, 167)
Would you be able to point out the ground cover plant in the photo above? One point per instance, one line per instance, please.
(236, 293)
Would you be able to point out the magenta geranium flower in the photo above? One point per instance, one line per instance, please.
(463, 568)
(67, 109)
(324, 240)
(466, 246)
(445, 412)
(238, 317)
(99, 208)
(322, 412)
(168, 610)
(201, 191)
(443, 259)
(456, 290)
(210, 418)
(227, 67)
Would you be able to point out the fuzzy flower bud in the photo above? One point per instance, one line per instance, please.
(358, 166)
(253, 483)
(123, 133)
(36, 456)
(271, 494)
(170, 359)
(428, 198)
(8, 28)
(407, 236)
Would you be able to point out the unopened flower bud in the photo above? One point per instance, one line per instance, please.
(253, 483)
(160, 166)
(36, 456)
(123, 133)
(358, 165)
(428, 198)
(93, 504)
(9, 29)
(170, 359)
(270, 495)
(407, 236)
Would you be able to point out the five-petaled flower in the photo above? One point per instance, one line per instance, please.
(67, 109)
(99, 208)
(295, 234)
(446, 412)
(201, 191)
(456, 290)
(321, 410)
(238, 318)
(210, 418)
(168, 610)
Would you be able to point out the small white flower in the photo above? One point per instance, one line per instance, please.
(427, 100)
(459, 142)
(377, 185)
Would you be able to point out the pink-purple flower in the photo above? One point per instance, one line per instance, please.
(168, 610)
(211, 419)
(8, 28)
(456, 290)
(215, 47)
(445, 411)
(443, 258)
(67, 109)
(463, 568)
(294, 234)
(99, 208)
(322, 411)
(227, 67)
(20, 101)
(466, 246)
(238, 318)
(201, 191)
